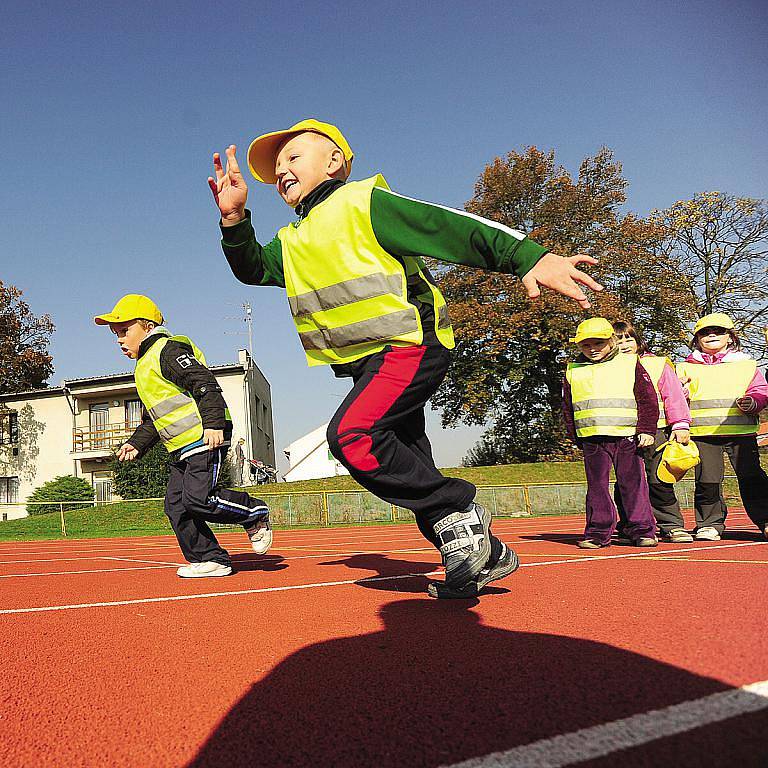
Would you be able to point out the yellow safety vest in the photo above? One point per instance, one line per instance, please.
(347, 295)
(172, 410)
(603, 396)
(714, 390)
(654, 365)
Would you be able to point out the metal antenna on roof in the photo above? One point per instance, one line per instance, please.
(248, 320)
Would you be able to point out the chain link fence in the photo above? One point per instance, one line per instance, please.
(323, 508)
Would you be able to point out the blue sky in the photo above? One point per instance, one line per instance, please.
(110, 113)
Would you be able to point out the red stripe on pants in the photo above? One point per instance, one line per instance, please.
(395, 375)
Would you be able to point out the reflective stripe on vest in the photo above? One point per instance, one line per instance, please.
(654, 365)
(714, 390)
(172, 410)
(603, 397)
(347, 295)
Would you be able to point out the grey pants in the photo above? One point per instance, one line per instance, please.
(753, 481)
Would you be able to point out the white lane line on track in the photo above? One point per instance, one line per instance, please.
(135, 560)
(316, 585)
(211, 594)
(647, 554)
(95, 570)
(635, 731)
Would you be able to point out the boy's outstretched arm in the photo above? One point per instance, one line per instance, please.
(251, 263)
(405, 226)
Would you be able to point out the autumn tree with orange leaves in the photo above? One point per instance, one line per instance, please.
(24, 338)
(511, 352)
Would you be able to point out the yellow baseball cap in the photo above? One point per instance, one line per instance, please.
(676, 460)
(131, 307)
(594, 328)
(263, 150)
(715, 320)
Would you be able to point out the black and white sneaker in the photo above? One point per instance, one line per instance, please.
(465, 544)
(506, 564)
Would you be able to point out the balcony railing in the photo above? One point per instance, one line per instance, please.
(103, 438)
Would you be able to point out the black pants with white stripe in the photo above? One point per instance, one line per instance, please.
(194, 498)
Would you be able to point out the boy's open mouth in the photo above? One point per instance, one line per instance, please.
(288, 184)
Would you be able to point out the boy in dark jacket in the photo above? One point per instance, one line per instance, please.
(184, 408)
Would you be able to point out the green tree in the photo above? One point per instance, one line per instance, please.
(24, 339)
(720, 243)
(62, 488)
(511, 352)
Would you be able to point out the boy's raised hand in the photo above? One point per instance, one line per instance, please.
(560, 274)
(229, 188)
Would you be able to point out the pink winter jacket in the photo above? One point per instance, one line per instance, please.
(675, 405)
(758, 387)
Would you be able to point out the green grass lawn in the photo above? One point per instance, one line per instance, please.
(145, 518)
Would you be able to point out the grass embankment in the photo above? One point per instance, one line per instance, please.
(146, 518)
(134, 518)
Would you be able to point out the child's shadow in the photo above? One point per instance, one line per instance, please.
(254, 562)
(435, 686)
(392, 575)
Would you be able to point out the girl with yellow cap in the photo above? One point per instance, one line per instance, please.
(726, 393)
(674, 423)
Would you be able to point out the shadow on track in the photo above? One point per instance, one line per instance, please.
(253, 562)
(435, 686)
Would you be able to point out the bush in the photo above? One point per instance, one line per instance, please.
(145, 478)
(62, 488)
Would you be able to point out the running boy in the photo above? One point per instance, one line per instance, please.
(184, 408)
(363, 301)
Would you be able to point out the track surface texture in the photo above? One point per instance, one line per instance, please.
(328, 652)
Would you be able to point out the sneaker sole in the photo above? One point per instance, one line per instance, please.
(507, 564)
(204, 575)
(474, 563)
(261, 547)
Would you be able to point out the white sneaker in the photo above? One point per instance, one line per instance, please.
(707, 534)
(200, 570)
(261, 537)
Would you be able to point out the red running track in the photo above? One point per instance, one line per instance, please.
(327, 652)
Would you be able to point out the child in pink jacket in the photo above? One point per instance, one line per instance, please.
(674, 424)
(726, 393)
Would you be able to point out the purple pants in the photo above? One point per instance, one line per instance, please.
(621, 454)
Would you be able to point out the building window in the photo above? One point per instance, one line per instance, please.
(102, 485)
(132, 414)
(9, 490)
(9, 428)
(99, 418)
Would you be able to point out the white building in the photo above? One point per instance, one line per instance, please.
(310, 458)
(73, 429)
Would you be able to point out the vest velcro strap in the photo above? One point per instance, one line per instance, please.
(165, 407)
(606, 421)
(443, 321)
(726, 402)
(179, 427)
(346, 292)
(376, 329)
(607, 402)
(724, 419)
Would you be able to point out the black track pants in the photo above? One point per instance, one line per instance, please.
(194, 497)
(378, 433)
